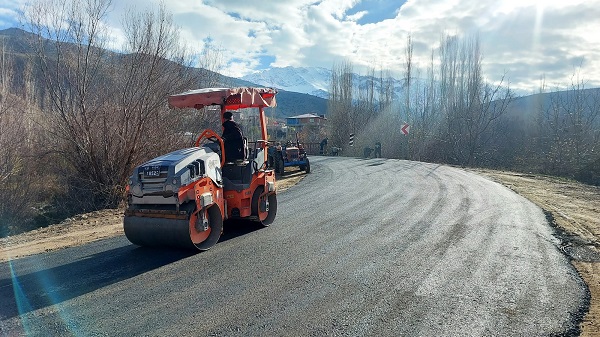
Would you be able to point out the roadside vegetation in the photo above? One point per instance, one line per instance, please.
(458, 118)
(76, 118)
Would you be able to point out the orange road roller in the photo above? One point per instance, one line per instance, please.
(182, 198)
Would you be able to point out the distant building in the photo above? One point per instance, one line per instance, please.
(276, 129)
(300, 121)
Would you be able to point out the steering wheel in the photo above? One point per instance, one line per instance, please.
(257, 168)
(211, 136)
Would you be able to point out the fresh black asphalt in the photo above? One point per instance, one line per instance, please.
(359, 247)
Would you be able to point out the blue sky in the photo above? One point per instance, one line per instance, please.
(522, 40)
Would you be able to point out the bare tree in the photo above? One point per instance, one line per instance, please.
(365, 100)
(426, 120)
(415, 100)
(18, 174)
(471, 106)
(107, 111)
(533, 152)
(69, 56)
(386, 90)
(408, 80)
(570, 133)
(340, 105)
(560, 135)
(211, 63)
(581, 115)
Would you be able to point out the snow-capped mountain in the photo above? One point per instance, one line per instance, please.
(308, 80)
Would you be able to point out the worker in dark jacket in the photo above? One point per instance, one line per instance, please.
(233, 138)
(323, 144)
(377, 151)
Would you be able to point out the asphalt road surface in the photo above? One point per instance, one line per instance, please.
(359, 248)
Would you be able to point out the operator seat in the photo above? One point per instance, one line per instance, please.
(237, 174)
(236, 149)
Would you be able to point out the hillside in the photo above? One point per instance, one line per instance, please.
(528, 106)
(15, 43)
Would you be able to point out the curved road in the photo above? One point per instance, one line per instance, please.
(359, 248)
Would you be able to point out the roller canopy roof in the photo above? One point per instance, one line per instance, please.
(231, 98)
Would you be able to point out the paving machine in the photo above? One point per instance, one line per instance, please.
(182, 198)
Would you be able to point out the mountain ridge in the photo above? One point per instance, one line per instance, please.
(14, 42)
(301, 89)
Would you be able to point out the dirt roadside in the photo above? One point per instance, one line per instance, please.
(89, 227)
(573, 208)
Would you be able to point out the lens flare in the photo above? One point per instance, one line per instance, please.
(37, 291)
(21, 300)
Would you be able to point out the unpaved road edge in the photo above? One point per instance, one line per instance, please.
(89, 227)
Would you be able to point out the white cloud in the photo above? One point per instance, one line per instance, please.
(9, 13)
(357, 16)
(525, 39)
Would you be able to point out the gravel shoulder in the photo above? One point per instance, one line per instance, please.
(572, 208)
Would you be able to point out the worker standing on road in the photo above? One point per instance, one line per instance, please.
(323, 144)
(233, 138)
(377, 150)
